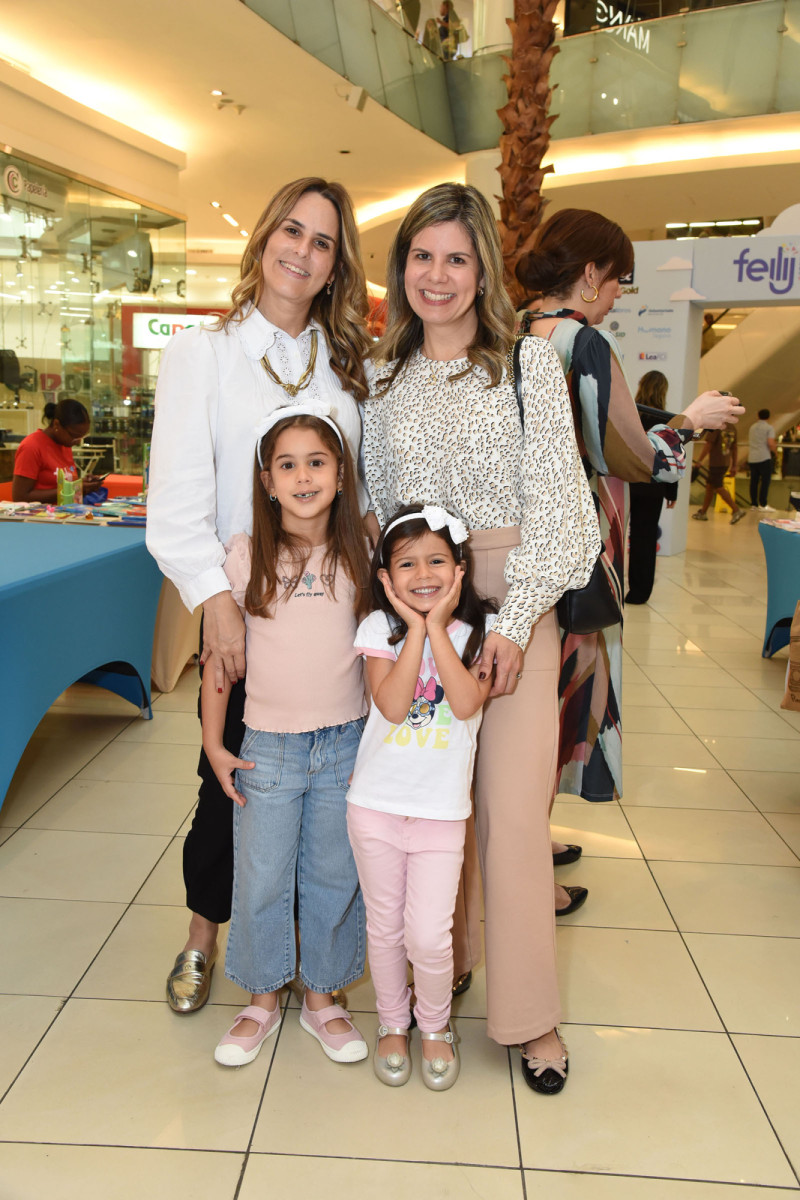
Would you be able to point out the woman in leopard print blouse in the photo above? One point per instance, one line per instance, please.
(441, 426)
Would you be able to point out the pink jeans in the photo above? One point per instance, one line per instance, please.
(409, 870)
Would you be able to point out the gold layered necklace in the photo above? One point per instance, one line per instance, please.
(292, 389)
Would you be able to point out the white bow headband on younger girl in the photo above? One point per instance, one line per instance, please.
(436, 519)
(312, 408)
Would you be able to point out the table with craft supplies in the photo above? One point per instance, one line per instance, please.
(781, 541)
(75, 604)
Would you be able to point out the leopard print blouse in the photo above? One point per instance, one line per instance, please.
(461, 445)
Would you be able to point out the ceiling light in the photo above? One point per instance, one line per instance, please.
(215, 204)
(676, 225)
(166, 281)
(189, 271)
(603, 95)
(615, 100)
(757, 221)
(727, 222)
(221, 279)
(700, 224)
(244, 233)
(231, 220)
(132, 254)
(216, 92)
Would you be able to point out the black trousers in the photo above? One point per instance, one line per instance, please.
(760, 476)
(645, 512)
(208, 848)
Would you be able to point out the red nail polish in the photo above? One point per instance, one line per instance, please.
(220, 691)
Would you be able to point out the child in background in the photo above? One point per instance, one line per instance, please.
(301, 581)
(410, 795)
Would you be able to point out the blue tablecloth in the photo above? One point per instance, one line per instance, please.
(75, 604)
(782, 552)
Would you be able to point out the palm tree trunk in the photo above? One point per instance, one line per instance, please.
(526, 136)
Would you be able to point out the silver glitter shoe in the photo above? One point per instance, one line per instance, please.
(189, 981)
(395, 1069)
(438, 1074)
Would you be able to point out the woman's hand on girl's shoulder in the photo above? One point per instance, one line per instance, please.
(223, 764)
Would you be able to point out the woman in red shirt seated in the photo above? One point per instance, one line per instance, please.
(40, 455)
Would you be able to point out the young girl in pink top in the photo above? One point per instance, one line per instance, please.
(410, 796)
(301, 582)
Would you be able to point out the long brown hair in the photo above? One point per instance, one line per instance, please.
(565, 244)
(342, 313)
(404, 332)
(271, 542)
(652, 389)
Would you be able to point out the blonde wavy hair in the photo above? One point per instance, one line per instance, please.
(342, 313)
(404, 334)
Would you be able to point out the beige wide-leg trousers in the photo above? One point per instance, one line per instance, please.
(514, 781)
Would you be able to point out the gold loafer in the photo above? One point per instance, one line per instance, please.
(189, 980)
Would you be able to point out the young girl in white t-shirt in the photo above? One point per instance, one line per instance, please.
(410, 795)
(301, 582)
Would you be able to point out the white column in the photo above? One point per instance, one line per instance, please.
(490, 31)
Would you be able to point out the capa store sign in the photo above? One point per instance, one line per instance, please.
(152, 331)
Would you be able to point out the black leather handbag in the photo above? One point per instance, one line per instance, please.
(597, 605)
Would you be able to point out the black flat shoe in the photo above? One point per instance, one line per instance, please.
(570, 855)
(577, 897)
(546, 1075)
(462, 984)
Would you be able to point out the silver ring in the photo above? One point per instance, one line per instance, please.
(519, 674)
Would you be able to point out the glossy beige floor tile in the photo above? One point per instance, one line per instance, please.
(136, 959)
(717, 898)
(48, 944)
(98, 806)
(727, 697)
(709, 835)
(681, 787)
(601, 829)
(755, 754)
(164, 885)
(770, 791)
(563, 1133)
(61, 865)
(155, 762)
(773, 1064)
(154, 1083)
(642, 695)
(787, 825)
(23, 1021)
(46, 765)
(637, 719)
(706, 675)
(87, 697)
(66, 722)
(754, 981)
(274, 1175)
(665, 750)
(671, 658)
(550, 1185)
(631, 977)
(90, 1172)
(347, 1112)
(175, 728)
(622, 895)
(631, 674)
(719, 722)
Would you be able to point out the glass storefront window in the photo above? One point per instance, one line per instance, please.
(75, 261)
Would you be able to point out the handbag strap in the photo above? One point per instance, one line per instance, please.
(516, 367)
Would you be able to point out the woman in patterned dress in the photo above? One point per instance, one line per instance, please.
(574, 272)
(441, 426)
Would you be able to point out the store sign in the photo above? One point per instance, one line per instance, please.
(759, 268)
(152, 331)
(15, 184)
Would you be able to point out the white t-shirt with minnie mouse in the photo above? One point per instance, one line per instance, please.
(422, 768)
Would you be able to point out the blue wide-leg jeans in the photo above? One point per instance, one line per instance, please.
(293, 830)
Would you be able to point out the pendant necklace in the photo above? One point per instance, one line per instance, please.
(292, 389)
(434, 377)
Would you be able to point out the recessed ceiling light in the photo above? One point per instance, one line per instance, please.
(189, 271)
(231, 220)
(244, 233)
(215, 204)
(166, 281)
(216, 92)
(221, 279)
(132, 254)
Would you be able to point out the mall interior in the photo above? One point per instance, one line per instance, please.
(138, 144)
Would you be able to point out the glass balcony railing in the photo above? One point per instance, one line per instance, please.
(703, 65)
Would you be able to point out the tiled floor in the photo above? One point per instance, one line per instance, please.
(681, 975)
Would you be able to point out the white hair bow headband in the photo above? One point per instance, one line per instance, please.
(312, 408)
(436, 518)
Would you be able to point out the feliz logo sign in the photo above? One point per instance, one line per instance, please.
(781, 271)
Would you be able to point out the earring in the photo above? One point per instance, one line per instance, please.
(273, 497)
(339, 490)
(590, 299)
(329, 287)
(480, 291)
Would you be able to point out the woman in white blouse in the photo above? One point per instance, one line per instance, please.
(442, 426)
(296, 328)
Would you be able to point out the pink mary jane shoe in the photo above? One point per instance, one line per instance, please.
(235, 1051)
(340, 1047)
